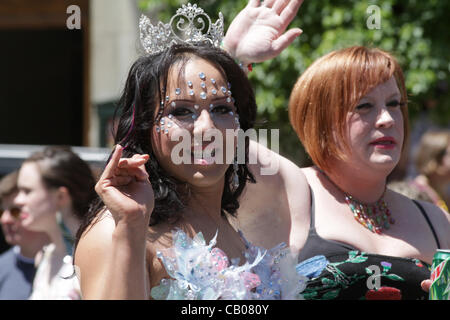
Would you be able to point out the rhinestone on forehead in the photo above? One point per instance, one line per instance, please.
(177, 91)
(189, 83)
(203, 95)
(191, 92)
(214, 91)
(202, 76)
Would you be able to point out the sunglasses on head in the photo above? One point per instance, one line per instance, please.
(14, 211)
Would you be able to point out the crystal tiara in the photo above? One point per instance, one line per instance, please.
(197, 29)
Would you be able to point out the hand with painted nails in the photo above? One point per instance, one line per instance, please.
(125, 188)
(258, 32)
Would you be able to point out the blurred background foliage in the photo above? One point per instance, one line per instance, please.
(416, 32)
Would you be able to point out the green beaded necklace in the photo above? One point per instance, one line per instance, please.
(374, 216)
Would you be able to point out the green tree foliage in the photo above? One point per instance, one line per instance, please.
(416, 32)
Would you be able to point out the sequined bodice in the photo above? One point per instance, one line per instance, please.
(204, 272)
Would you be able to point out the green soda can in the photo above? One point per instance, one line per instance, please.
(440, 276)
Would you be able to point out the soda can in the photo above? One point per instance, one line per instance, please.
(440, 276)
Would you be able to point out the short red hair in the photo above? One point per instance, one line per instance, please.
(329, 89)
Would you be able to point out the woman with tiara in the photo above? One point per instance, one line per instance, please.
(160, 228)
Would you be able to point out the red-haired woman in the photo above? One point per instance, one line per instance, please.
(349, 109)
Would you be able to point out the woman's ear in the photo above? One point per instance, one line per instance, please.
(63, 197)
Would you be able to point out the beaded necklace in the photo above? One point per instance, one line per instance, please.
(374, 216)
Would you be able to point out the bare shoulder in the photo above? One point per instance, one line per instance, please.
(92, 253)
(440, 220)
(94, 239)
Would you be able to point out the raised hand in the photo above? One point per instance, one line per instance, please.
(125, 188)
(258, 31)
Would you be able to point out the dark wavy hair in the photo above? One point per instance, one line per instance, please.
(137, 113)
(59, 166)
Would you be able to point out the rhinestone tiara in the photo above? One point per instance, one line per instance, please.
(190, 24)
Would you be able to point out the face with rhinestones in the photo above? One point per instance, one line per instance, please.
(189, 135)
